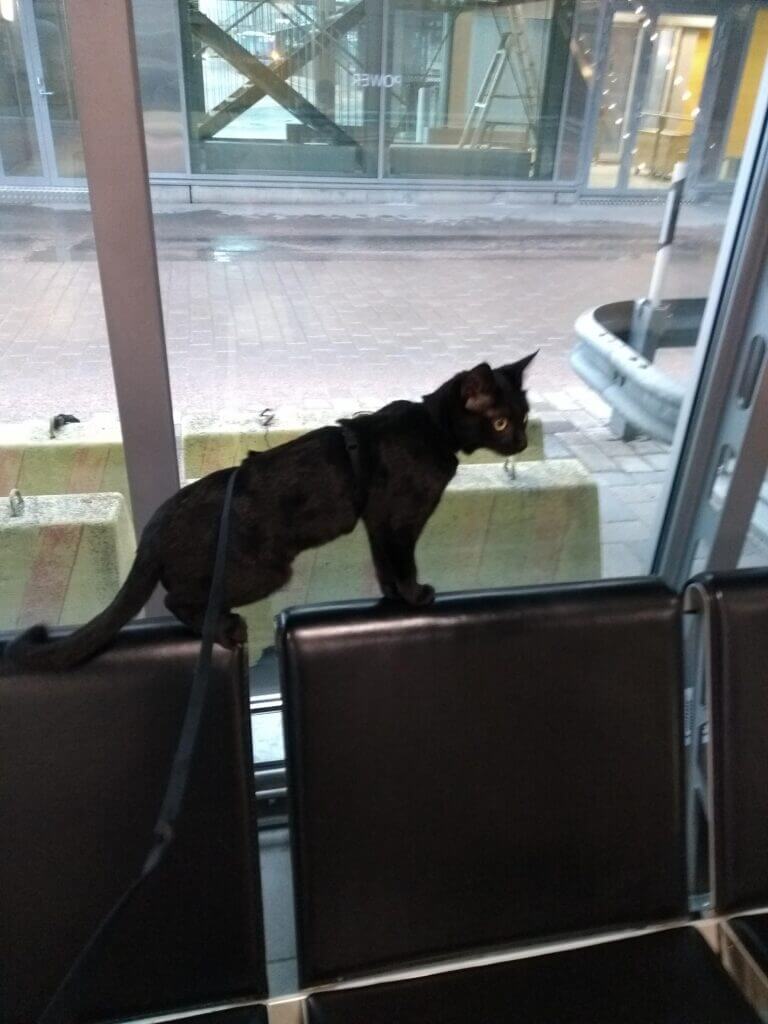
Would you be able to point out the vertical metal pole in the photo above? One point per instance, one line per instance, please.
(552, 110)
(667, 237)
(381, 144)
(40, 111)
(324, 62)
(109, 104)
(638, 85)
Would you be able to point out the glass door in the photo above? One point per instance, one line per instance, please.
(20, 151)
(39, 130)
(649, 98)
(54, 79)
(616, 94)
(56, 88)
(669, 115)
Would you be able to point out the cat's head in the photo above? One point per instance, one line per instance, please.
(492, 408)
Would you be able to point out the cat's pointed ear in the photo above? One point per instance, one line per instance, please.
(478, 389)
(514, 371)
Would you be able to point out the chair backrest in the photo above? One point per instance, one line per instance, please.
(84, 759)
(735, 610)
(498, 767)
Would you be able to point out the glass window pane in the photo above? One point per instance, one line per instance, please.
(755, 552)
(159, 69)
(616, 94)
(741, 114)
(477, 89)
(56, 61)
(682, 45)
(19, 151)
(66, 532)
(159, 59)
(294, 315)
(580, 81)
(283, 86)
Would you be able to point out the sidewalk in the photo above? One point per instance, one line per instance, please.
(343, 310)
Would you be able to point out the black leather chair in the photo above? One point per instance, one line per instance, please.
(734, 607)
(84, 759)
(499, 769)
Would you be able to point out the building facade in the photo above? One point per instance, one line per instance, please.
(584, 97)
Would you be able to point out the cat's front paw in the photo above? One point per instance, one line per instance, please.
(422, 594)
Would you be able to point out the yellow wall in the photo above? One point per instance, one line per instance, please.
(698, 70)
(753, 69)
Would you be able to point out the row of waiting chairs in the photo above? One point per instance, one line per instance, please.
(499, 772)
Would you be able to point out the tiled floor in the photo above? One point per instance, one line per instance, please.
(277, 889)
(343, 310)
(333, 311)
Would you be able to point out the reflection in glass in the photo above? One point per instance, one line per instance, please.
(282, 86)
(477, 90)
(755, 552)
(19, 151)
(616, 94)
(156, 26)
(730, 51)
(741, 114)
(672, 103)
(583, 49)
(57, 86)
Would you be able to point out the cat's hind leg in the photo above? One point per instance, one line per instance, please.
(230, 629)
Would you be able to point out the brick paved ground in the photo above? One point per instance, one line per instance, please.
(348, 312)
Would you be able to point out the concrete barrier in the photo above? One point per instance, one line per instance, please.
(488, 531)
(84, 458)
(64, 557)
(87, 458)
(210, 443)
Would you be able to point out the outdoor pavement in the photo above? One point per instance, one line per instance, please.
(346, 308)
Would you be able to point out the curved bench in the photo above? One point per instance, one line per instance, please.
(636, 389)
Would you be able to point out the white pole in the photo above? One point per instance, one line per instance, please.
(421, 104)
(667, 237)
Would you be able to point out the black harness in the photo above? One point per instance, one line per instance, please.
(359, 483)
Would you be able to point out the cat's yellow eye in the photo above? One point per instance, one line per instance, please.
(500, 423)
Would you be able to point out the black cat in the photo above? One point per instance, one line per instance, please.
(389, 468)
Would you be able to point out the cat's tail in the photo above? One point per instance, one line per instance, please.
(33, 648)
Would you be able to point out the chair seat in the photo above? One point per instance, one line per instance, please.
(663, 978)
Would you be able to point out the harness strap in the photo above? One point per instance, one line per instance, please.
(62, 1008)
(352, 444)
